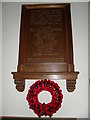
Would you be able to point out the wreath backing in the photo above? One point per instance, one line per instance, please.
(49, 108)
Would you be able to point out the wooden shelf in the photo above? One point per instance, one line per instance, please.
(69, 76)
(53, 75)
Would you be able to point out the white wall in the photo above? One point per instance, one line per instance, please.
(74, 104)
(89, 58)
(80, 41)
(0, 59)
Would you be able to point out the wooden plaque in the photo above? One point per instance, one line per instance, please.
(46, 49)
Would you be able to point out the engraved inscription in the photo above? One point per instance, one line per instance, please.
(45, 44)
(45, 29)
(45, 17)
(45, 59)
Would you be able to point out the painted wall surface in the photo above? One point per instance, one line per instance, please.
(74, 104)
(89, 58)
(0, 58)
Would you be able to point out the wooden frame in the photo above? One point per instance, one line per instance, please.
(35, 63)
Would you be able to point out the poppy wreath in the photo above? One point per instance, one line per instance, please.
(42, 109)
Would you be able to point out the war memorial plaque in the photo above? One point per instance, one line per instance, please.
(46, 49)
(44, 40)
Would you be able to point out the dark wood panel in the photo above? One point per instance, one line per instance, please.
(26, 118)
